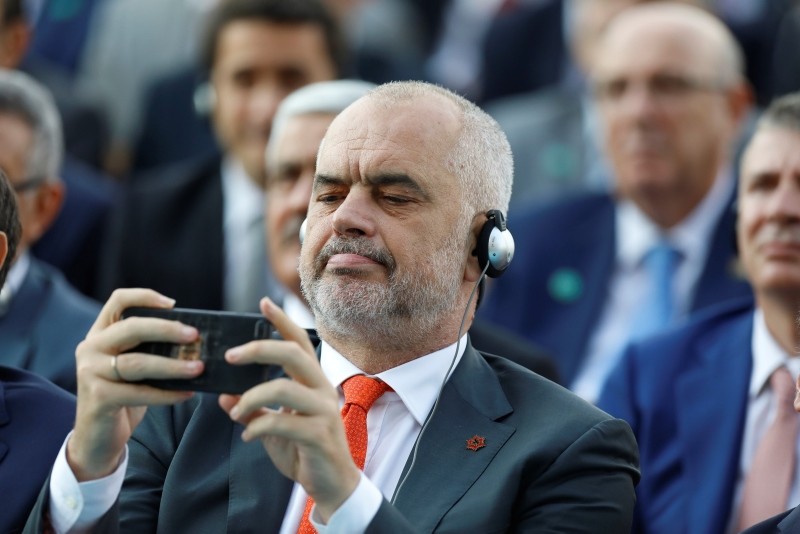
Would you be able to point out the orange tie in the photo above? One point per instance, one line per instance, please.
(360, 393)
(767, 485)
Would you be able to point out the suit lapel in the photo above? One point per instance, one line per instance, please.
(258, 493)
(719, 279)
(790, 523)
(711, 410)
(470, 405)
(17, 324)
(596, 246)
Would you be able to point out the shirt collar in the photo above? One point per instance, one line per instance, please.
(297, 310)
(243, 199)
(768, 356)
(16, 276)
(417, 382)
(636, 234)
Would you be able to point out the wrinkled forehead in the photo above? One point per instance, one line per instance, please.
(375, 135)
(772, 149)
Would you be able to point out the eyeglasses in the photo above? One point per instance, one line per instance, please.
(663, 88)
(28, 184)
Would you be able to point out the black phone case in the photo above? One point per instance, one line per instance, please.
(219, 331)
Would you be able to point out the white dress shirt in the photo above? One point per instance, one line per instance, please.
(761, 408)
(243, 206)
(635, 236)
(393, 424)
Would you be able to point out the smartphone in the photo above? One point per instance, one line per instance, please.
(219, 331)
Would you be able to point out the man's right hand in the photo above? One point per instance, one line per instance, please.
(110, 404)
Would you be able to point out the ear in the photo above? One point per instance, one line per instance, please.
(47, 205)
(15, 38)
(740, 102)
(472, 270)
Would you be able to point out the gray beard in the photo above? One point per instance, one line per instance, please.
(408, 306)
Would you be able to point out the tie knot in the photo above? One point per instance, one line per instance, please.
(363, 391)
(784, 388)
(662, 256)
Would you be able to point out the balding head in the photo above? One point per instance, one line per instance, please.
(669, 86)
(684, 23)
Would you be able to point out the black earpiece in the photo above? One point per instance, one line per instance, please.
(495, 244)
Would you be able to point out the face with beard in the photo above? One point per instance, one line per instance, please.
(769, 212)
(386, 242)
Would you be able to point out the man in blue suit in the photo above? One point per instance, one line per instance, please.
(35, 415)
(702, 399)
(42, 317)
(583, 279)
(405, 180)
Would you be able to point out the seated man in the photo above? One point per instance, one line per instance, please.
(35, 415)
(595, 271)
(702, 399)
(43, 317)
(405, 182)
(300, 123)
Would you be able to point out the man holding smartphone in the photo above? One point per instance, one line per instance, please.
(405, 179)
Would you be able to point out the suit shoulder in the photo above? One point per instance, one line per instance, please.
(175, 177)
(32, 389)
(565, 210)
(704, 326)
(541, 403)
(63, 297)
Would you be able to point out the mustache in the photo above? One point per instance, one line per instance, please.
(780, 233)
(355, 245)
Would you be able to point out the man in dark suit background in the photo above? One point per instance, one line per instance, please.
(196, 230)
(593, 270)
(42, 316)
(72, 243)
(404, 183)
(707, 400)
(35, 415)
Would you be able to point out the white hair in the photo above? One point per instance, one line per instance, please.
(322, 97)
(22, 96)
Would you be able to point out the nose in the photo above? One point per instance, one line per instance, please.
(354, 217)
(264, 101)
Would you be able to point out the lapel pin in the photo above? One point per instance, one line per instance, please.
(565, 285)
(476, 442)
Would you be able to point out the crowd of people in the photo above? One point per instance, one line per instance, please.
(532, 265)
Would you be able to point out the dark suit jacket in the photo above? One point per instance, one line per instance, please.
(167, 235)
(551, 463)
(72, 243)
(43, 325)
(685, 395)
(524, 49)
(493, 339)
(35, 417)
(785, 523)
(554, 291)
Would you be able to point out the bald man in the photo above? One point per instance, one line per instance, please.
(668, 85)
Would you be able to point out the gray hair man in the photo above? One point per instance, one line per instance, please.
(35, 294)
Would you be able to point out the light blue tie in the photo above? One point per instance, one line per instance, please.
(658, 308)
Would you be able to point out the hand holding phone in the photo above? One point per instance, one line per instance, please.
(219, 331)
